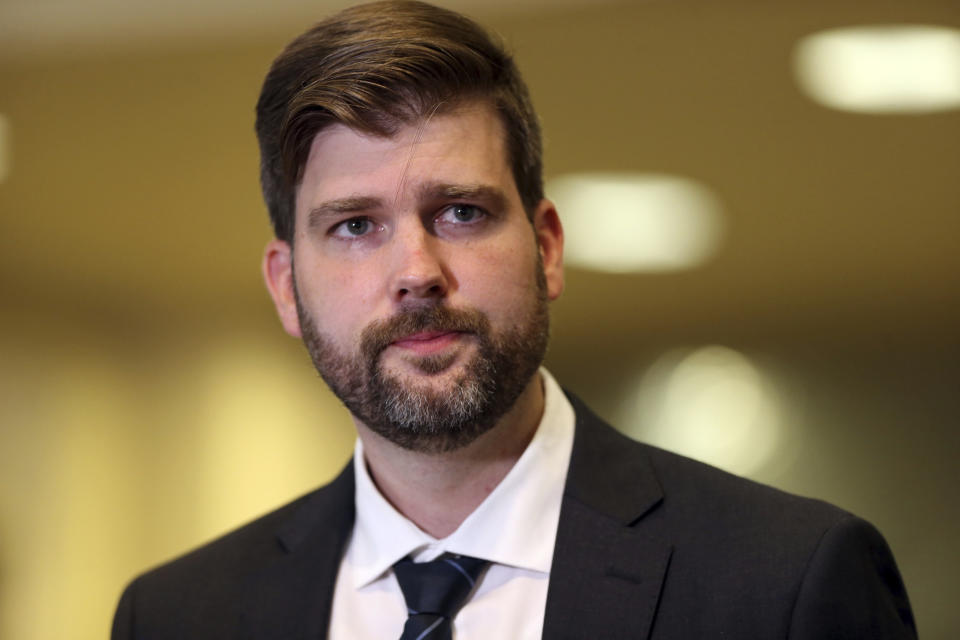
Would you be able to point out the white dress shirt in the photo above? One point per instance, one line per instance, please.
(514, 528)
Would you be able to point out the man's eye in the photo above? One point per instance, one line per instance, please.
(353, 227)
(463, 213)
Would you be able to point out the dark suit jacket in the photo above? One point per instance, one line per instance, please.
(650, 545)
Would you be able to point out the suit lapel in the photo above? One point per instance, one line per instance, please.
(290, 597)
(605, 579)
(607, 570)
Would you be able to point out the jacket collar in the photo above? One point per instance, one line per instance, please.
(606, 575)
(290, 598)
(607, 570)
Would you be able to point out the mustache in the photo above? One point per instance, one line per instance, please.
(379, 334)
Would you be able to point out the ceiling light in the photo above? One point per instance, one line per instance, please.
(623, 222)
(712, 404)
(882, 69)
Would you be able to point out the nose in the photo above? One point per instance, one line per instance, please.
(419, 273)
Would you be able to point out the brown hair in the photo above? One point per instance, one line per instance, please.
(376, 68)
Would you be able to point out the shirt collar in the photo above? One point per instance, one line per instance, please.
(528, 498)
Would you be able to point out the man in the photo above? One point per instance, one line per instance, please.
(416, 255)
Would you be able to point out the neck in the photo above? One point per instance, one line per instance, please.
(437, 491)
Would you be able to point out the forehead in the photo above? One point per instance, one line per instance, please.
(465, 145)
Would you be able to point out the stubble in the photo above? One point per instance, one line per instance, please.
(418, 416)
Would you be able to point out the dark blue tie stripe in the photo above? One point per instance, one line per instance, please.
(463, 571)
(435, 591)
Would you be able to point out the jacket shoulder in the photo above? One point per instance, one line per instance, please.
(702, 491)
(745, 557)
(180, 595)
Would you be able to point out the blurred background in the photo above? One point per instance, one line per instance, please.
(778, 291)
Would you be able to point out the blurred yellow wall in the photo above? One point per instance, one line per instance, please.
(117, 454)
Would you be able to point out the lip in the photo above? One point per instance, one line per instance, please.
(427, 342)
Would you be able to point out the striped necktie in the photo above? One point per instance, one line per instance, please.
(435, 591)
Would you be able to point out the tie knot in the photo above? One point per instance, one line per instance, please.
(439, 587)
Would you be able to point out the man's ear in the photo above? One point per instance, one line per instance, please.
(278, 274)
(549, 232)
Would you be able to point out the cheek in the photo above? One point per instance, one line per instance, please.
(350, 308)
(503, 279)
(338, 299)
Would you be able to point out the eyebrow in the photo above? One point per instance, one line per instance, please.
(493, 196)
(340, 206)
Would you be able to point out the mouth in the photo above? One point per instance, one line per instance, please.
(426, 343)
(425, 334)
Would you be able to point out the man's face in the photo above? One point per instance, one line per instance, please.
(416, 280)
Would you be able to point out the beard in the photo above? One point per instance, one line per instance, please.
(420, 417)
